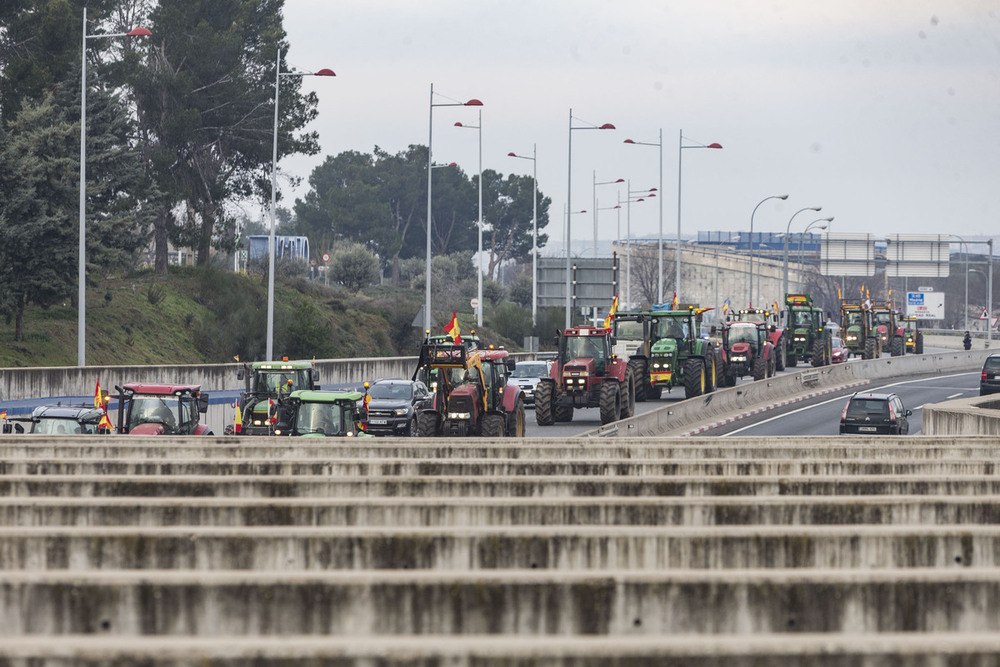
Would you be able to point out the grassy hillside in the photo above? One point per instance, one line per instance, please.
(203, 315)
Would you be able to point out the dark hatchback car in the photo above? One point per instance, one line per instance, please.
(875, 413)
(393, 407)
(990, 382)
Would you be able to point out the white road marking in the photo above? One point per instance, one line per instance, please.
(955, 395)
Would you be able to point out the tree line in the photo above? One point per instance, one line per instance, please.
(179, 132)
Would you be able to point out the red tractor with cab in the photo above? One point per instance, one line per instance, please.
(775, 332)
(161, 409)
(746, 350)
(586, 375)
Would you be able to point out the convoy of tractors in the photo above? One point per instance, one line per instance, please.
(467, 388)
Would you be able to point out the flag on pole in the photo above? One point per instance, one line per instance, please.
(611, 313)
(3, 415)
(238, 419)
(105, 423)
(452, 329)
(673, 304)
(840, 297)
(236, 357)
(98, 399)
(725, 307)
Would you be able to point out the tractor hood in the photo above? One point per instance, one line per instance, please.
(665, 347)
(740, 348)
(148, 429)
(580, 365)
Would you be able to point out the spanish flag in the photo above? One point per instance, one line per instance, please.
(840, 297)
(673, 304)
(98, 398)
(611, 313)
(452, 329)
(3, 415)
(725, 307)
(105, 423)
(237, 420)
(236, 357)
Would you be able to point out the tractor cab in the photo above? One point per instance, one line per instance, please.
(161, 409)
(266, 382)
(318, 414)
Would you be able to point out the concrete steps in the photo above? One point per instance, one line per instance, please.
(694, 551)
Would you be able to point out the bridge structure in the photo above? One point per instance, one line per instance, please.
(622, 549)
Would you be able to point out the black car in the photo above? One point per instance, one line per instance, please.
(391, 409)
(868, 412)
(990, 382)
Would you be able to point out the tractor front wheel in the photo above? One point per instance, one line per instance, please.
(819, 355)
(515, 421)
(871, 347)
(779, 359)
(611, 402)
(641, 378)
(493, 426)
(898, 346)
(544, 399)
(428, 425)
(694, 377)
(628, 398)
(759, 368)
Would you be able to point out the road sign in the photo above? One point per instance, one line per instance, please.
(983, 315)
(474, 303)
(925, 306)
(326, 257)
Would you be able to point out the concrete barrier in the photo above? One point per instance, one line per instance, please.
(979, 415)
(513, 602)
(562, 548)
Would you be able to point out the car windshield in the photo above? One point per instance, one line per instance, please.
(529, 369)
(59, 425)
(154, 410)
(322, 418)
(836, 342)
(391, 390)
(860, 408)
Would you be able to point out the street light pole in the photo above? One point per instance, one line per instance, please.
(479, 293)
(788, 232)
(534, 229)
(81, 323)
(569, 203)
(430, 170)
(677, 259)
(274, 196)
(966, 247)
(596, 183)
(750, 269)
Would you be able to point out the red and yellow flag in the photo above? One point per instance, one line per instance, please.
(452, 329)
(98, 398)
(3, 415)
(105, 423)
(238, 419)
(611, 313)
(673, 304)
(840, 297)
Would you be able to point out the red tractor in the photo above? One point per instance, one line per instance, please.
(889, 329)
(470, 390)
(746, 350)
(586, 375)
(775, 332)
(161, 409)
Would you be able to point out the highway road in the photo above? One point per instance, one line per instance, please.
(823, 421)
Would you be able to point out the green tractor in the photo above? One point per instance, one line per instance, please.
(318, 414)
(266, 382)
(810, 339)
(665, 351)
(857, 330)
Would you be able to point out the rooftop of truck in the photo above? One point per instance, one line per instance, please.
(164, 389)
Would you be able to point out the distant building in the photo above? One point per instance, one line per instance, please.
(291, 247)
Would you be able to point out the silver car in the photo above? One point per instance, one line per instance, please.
(527, 374)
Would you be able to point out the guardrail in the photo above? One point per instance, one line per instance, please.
(681, 417)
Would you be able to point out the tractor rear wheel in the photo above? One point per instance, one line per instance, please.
(694, 377)
(759, 368)
(898, 346)
(871, 346)
(428, 424)
(544, 398)
(791, 361)
(779, 359)
(729, 377)
(919, 345)
(611, 402)
(711, 372)
(493, 426)
(641, 378)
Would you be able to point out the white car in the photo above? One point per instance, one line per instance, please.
(527, 374)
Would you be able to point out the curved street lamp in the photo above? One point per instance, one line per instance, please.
(430, 169)
(569, 201)
(274, 196)
(966, 246)
(750, 271)
(534, 229)
(633, 198)
(677, 259)
(81, 343)
(596, 183)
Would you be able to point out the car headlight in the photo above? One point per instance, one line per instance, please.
(400, 412)
(459, 415)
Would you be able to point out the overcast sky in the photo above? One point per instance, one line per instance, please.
(885, 113)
